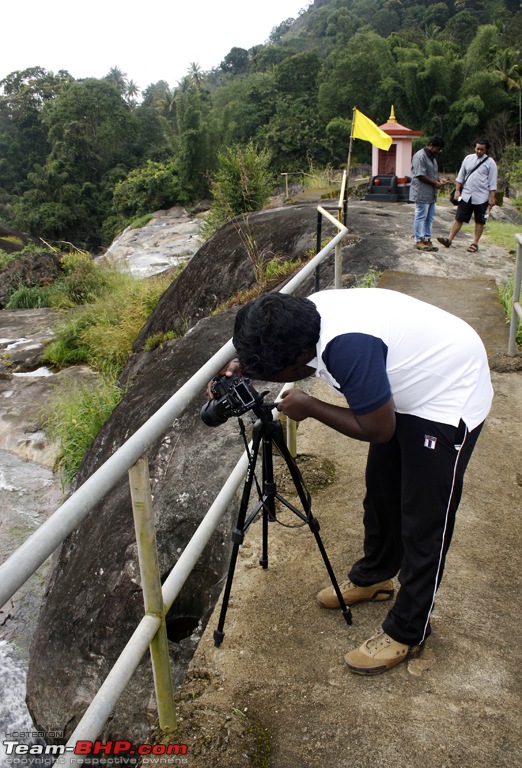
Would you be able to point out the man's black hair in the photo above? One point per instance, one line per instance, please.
(271, 332)
(483, 141)
(436, 141)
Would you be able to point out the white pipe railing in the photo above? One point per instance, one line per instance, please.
(516, 311)
(15, 571)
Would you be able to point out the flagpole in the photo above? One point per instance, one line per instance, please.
(345, 202)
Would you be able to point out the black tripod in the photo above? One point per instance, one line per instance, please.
(267, 432)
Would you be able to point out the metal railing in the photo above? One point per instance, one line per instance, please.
(516, 311)
(131, 458)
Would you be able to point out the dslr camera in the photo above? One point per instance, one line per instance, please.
(233, 396)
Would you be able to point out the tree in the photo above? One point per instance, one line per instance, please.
(278, 32)
(235, 62)
(296, 77)
(147, 189)
(23, 136)
(118, 79)
(195, 74)
(91, 132)
(241, 184)
(243, 106)
(354, 76)
(461, 29)
(507, 66)
(91, 129)
(131, 92)
(196, 148)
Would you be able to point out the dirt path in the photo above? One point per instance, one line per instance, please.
(276, 693)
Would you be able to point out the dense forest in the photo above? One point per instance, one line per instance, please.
(79, 159)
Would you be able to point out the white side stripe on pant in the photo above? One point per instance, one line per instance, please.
(458, 449)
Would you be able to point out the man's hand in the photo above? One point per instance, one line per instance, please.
(231, 368)
(295, 404)
(375, 427)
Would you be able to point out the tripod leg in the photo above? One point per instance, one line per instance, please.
(238, 534)
(237, 538)
(313, 523)
(268, 495)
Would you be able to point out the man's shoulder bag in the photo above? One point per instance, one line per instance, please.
(453, 196)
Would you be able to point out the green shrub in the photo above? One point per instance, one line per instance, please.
(505, 294)
(83, 279)
(158, 339)
(242, 184)
(74, 419)
(68, 348)
(101, 334)
(28, 297)
(147, 189)
(79, 281)
(141, 221)
(7, 258)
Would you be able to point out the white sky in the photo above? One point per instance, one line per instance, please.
(148, 41)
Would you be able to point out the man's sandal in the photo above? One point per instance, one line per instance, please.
(473, 248)
(445, 242)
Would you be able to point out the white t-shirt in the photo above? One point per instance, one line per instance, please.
(376, 343)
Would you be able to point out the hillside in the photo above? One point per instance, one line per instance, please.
(447, 68)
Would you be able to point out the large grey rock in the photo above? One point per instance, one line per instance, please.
(169, 239)
(226, 264)
(93, 598)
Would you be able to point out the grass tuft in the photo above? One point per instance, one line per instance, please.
(505, 295)
(101, 334)
(75, 417)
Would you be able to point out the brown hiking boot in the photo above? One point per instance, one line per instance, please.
(352, 594)
(425, 245)
(379, 654)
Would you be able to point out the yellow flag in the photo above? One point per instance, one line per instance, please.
(365, 129)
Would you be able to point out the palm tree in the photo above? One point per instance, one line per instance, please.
(195, 74)
(131, 91)
(165, 101)
(507, 66)
(117, 78)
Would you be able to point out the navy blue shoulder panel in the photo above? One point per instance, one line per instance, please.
(357, 361)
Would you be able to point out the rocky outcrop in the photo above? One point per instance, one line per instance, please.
(38, 268)
(11, 240)
(226, 264)
(93, 599)
(26, 387)
(169, 239)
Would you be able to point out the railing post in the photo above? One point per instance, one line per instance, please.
(286, 184)
(515, 310)
(338, 270)
(317, 249)
(338, 266)
(139, 481)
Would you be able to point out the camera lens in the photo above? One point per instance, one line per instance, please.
(212, 414)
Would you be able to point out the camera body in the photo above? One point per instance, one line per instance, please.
(233, 396)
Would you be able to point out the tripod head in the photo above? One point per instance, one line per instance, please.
(234, 396)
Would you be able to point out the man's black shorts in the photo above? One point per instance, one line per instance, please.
(464, 211)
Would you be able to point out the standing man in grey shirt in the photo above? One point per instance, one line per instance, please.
(423, 191)
(476, 186)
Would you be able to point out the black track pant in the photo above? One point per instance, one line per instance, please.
(413, 489)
